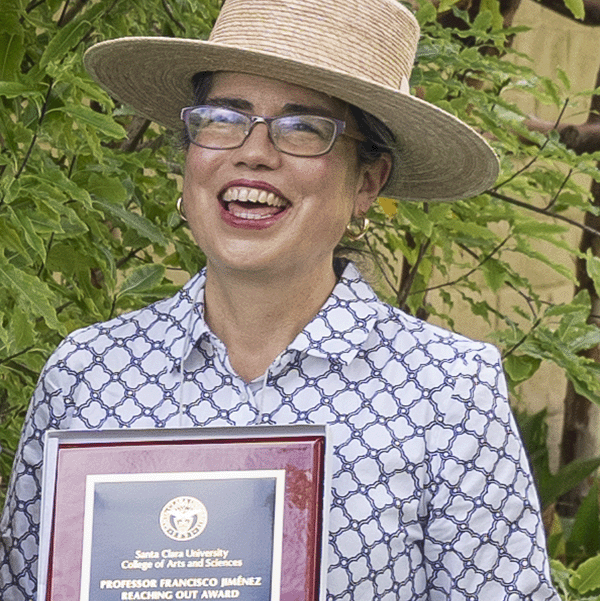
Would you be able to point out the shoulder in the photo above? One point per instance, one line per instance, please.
(409, 331)
(403, 334)
(411, 354)
(435, 359)
(157, 328)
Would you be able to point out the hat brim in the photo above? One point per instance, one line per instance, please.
(438, 156)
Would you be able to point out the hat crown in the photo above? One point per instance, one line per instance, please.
(374, 40)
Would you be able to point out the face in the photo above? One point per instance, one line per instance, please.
(256, 209)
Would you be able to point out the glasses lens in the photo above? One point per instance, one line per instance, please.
(215, 127)
(303, 135)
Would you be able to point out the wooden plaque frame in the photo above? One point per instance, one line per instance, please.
(82, 469)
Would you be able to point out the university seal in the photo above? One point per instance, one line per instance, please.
(183, 518)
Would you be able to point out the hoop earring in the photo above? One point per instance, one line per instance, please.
(179, 205)
(356, 234)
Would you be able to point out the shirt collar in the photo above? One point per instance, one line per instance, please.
(336, 332)
(186, 309)
(343, 323)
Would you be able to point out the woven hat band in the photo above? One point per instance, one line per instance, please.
(361, 39)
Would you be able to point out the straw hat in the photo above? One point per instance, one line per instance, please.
(360, 51)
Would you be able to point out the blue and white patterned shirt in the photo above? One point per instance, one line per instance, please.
(432, 494)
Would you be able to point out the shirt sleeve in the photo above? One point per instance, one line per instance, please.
(19, 527)
(484, 538)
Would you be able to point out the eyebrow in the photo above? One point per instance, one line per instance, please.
(310, 110)
(232, 103)
(289, 108)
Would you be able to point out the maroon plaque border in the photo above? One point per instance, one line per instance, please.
(302, 456)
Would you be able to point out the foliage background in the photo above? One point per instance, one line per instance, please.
(88, 226)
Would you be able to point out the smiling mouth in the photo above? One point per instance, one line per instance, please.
(252, 203)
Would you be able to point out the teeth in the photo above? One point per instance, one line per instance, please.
(248, 214)
(243, 194)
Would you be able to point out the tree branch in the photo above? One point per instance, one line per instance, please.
(544, 211)
(135, 132)
(35, 135)
(535, 158)
(579, 138)
(374, 256)
(12, 357)
(404, 291)
(68, 15)
(171, 16)
(560, 189)
(469, 273)
(515, 346)
(592, 11)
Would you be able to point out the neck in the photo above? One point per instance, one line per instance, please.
(258, 315)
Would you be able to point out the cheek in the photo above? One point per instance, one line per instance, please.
(344, 184)
(335, 175)
(199, 181)
(197, 197)
(336, 205)
(194, 166)
(189, 173)
(202, 161)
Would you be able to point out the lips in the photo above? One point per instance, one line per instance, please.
(252, 203)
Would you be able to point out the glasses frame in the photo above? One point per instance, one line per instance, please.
(252, 120)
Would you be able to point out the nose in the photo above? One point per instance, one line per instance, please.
(258, 150)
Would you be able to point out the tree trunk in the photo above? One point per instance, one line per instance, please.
(581, 417)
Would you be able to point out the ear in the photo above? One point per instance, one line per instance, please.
(372, 178)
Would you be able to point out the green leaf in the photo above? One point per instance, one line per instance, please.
(563, 76)
(593, 269)
(567, 478)
(11, 55)
(539, 229)
(495, 274)
(447, 4)
(493, 6)
(138, 223)
(31, 293)
(12, 11)
(107, 188)
(97, 121)
(21, 331)
(587, 576)
(561, 574)
(436, 92)
(483, 20)
(520, 368)
(64, 41)
(12, 89)
(415, 215)
(577, 8)
(29, 234)
(584, 539)
(471, 230)
(143, 279)
(426, 13)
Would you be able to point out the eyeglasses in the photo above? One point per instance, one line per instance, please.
(222, 128)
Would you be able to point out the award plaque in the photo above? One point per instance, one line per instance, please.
(208, 513)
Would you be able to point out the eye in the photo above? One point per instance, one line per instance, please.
(207, 116)
(307, 125)
(303, 125)
(225, 116)
(216, 127)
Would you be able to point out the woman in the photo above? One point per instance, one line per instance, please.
(432, 495)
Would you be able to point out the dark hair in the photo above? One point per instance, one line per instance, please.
(379, 138)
